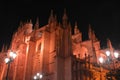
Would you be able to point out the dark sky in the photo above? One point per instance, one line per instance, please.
(104, 16)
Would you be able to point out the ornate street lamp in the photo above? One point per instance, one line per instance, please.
(111, 56)
(116, 54)
(38, 76)
(8, 60)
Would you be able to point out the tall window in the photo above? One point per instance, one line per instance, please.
(39, 47)
(39, 34)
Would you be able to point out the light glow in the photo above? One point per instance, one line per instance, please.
(108, 53)
(41, 76)
(35, 77)
(101, 59)
(38, 74)
(13, 55)
(7, 60)
(116, 55)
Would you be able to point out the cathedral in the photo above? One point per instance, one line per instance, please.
(54, 52)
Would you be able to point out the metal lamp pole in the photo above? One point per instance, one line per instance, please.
(7, 71)
(101, 61)
(8, 60)
(108, 61)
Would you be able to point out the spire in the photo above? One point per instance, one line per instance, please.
(30, 21)
(90, 32)
(3, 48)
(51, 18)
(64, 18)
(65, 15)
(37, 23)
(21, 23)
(93, 36)
(109, 45)
(6, 47)
(76, 24)
(76, 30)
(56, 18)
(69, 40)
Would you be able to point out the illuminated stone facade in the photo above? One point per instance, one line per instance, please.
(54, 52)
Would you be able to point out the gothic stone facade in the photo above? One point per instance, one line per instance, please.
(53, 51)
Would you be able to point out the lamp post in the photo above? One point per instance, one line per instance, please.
(111, 56)
(8, 60)
(101, 61)
(38, 76)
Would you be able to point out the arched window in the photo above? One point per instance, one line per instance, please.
(40, 34)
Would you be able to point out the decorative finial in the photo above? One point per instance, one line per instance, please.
(65, 18)
(90, 32)
(109, 45)
(21, 23)
(51, 18)
(51, 13)
(76, 30)
(76, 24)
(30, 21)
(3, 48)
(65, 15)
(37, 23)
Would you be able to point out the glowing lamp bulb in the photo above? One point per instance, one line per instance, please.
(38, 74)
(101, 60)
(116, 55)
(35, 77)
(108, 53)
(13, 55)
(41, 76)
(7, 60)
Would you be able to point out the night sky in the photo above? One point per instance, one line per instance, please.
(104, 17)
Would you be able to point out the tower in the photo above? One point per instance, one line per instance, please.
(65, 19)
(52, 50)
